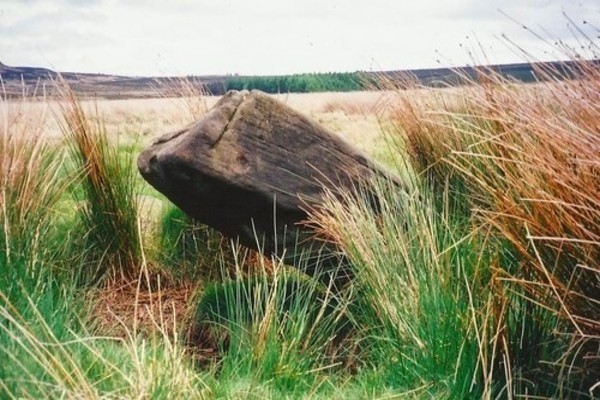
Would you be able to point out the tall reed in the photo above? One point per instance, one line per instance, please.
(525, 160)
(32, 241)
(30, 188)
(109, 205)
(417, 273)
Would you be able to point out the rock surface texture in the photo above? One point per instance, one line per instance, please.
(250, 168)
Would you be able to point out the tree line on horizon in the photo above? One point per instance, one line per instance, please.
(299, 83)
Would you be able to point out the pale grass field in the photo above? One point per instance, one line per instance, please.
(354, 116)
(357, 117)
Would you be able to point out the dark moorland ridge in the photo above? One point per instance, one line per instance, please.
(38, 81)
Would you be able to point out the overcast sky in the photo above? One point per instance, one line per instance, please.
(180, 37)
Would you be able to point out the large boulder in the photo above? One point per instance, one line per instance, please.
(250, 168)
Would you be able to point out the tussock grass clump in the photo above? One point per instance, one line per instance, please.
(524, 158)
(279, 329)
(109, 205)
(30, 189)
(416, 275)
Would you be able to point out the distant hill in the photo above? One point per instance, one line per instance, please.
(522, 72)
(40, 80)
(25, 73)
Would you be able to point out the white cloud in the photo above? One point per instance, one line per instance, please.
(268, 36)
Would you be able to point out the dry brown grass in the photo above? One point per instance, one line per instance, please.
(29, 188)
(109, 209)
(143, 120)
(526, 157)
